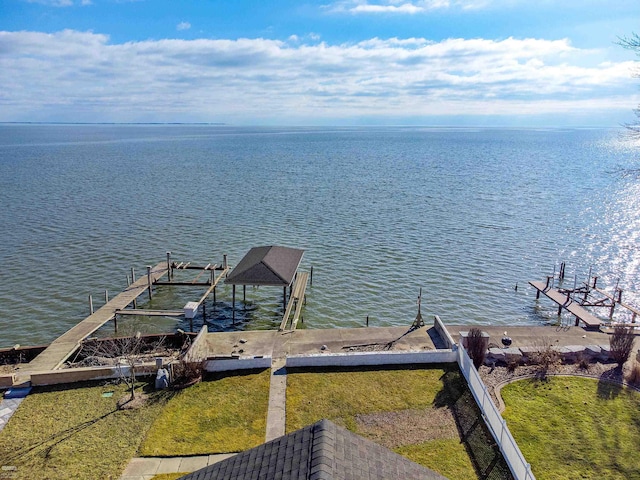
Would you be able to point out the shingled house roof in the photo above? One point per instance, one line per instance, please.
(322, 451)
(271, 266)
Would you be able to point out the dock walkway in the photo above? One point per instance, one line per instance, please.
(582, 315)
(297, 299)
(60, 349)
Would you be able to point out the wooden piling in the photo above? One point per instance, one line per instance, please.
(367, 320)
(150, 283)
(90, 304)
(233, 304)
(106, 296)
(311, 277)
(284, 298)
(169, 272)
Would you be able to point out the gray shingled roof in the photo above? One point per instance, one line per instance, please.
(322, 451)
(271, 266)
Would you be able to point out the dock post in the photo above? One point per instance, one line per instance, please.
(90, 304)
(224, 261)
(233, 304)
(115, 322)
(169, 272)
(133, 275)
(106, 296)
(595, 281)
(284, 298)
(149, 280)
(311, 277)
(367, 320)
(244, 295)
(128, 281)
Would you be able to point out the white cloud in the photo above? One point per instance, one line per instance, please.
(402, 7)
(183, 26)
(61, 3)
(83, 75)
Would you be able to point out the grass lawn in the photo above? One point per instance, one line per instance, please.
(404, 410)
(572, 427)
(221, 415)
(75, 432)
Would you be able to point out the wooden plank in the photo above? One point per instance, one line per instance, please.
(213, 285)
(150, 313)
(62, 347)
(297, 294)
(301, 284)
(631, 308)
(590, 320)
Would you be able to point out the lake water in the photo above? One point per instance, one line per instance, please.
(464, 214)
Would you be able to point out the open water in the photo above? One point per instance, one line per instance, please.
(465, 214)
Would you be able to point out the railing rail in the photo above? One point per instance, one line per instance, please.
(519, 467)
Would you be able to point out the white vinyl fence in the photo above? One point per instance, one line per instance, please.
(519, 467)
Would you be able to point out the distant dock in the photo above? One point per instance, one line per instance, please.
(574, 300)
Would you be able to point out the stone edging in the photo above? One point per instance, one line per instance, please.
(498, 388)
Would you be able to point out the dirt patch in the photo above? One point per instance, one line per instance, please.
(126, 403)
(407, 427)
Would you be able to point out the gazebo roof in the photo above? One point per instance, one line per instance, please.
(322, 451)
(270, 266)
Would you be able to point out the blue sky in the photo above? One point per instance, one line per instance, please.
(342, 62)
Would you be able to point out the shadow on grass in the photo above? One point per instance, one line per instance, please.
(481, 447)
(608, 384)
(45, 445)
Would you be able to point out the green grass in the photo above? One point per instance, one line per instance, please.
(575, 428)
(227, 414)
(448, 457)
(75, 432)
(342, 395)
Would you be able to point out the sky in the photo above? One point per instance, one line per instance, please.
(326, 62)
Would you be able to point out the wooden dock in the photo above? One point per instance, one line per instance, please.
(564, 301)
(60, 349)
(297, 299)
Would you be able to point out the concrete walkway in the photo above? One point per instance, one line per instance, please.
(147, 467)
(277, 399)
(11, 402)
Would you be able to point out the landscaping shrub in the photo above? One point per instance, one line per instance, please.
(476, 347)
(621, 344)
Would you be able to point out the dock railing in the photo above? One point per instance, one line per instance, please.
(519, 467)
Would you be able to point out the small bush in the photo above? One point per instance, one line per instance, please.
(621, 344)
(185, 373)
(545, 357)
(633, 377)
(583, 361)
(476, 346)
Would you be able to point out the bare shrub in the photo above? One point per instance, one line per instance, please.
(633, 376)
(185, 373)
(476, 346)
(512, 364)
(545, 357)
(621, 344)
(124, 353)
(583, 361)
